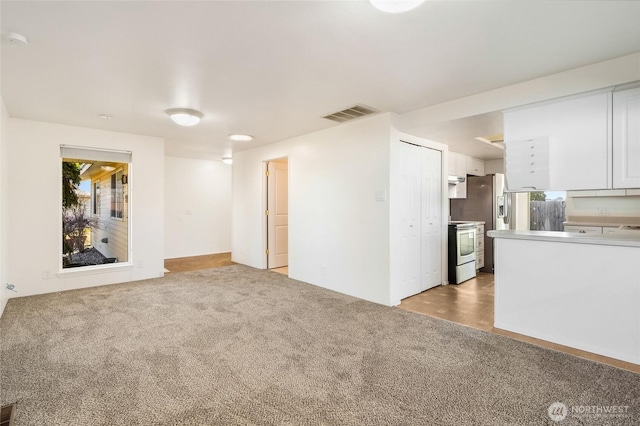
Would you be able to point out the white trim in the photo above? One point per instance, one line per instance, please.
(95, 269)
(98, 154)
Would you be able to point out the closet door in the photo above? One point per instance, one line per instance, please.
(420, 200)
(410, 220)
(431, 222)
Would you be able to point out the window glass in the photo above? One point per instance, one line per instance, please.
(95, 216)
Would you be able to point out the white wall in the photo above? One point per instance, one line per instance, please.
(338, 232)
(197, 207)
(34, 211)
(4, 203)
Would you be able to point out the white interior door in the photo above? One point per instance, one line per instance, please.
(420, 201)
(431, 223)
(278, 213)
(410, 202)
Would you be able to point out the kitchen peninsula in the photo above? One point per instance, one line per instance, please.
(577, 290)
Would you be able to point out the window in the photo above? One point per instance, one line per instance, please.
(95, 195)
(95, 207)
(117, 195)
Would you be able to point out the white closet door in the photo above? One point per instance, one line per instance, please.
(420, 200)
(431, 222)
(410, 205)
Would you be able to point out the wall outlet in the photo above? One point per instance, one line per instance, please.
(324, 271)
(46, 274)
(140, 263)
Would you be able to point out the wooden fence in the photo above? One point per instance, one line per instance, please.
(546, 215)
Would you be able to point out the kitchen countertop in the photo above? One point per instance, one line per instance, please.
(623, 240)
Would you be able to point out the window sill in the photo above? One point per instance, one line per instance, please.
(91, 270)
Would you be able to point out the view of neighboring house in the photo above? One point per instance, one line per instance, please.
(110, 208)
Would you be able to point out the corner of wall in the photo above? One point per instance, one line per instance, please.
(4, 121)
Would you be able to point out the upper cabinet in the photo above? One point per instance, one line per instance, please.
(475, 166)
(563, 144)
(626, 138)
(463, 165)
(585, 142)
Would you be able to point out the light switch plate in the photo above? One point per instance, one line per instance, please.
(381, 195)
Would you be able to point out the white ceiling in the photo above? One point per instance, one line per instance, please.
(273, 69)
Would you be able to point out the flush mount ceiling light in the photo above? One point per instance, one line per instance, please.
(17, 39)
(185, 116)
(107, 168)
(105, 116)
(227, 160)
(395, 6)
(241, 138)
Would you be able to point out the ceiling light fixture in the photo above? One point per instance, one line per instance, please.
(107, 168)
(227, 160)
(17, 39)
(185, 116)
(241, 138)
(396, 6)
(105, 116)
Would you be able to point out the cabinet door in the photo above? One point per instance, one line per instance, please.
(451, 166)
(461, 165)
(583, 229)
(475, 166)
(626, 138)
(579, 141)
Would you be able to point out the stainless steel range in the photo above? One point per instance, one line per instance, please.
(462, 251)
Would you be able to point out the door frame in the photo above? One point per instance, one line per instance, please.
(265, 204)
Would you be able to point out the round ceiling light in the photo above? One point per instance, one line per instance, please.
(17, 39)
(185, 116)
(241, 138)
(227, 160)
(396, 6)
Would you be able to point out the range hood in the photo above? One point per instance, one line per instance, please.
(454, 180)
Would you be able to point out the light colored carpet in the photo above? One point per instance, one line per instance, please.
(236, 345)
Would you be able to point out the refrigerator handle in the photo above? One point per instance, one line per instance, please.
(507, 208)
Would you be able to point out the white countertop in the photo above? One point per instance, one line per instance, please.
(569, 237)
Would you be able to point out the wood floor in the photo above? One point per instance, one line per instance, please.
(469, 303)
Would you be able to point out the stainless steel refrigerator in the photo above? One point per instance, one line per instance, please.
(484, 202)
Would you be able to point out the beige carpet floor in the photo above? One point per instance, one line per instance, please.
(236, 345)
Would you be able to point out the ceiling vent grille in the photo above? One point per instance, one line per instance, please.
(350, 113)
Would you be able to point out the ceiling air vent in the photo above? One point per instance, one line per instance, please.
(351, 113)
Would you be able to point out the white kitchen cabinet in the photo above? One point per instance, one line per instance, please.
(475, 166)
(598, 193)
(583, 229)
(562, 144)
(626, 138)
(479, 245)
(457, 167)
(451, 164)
